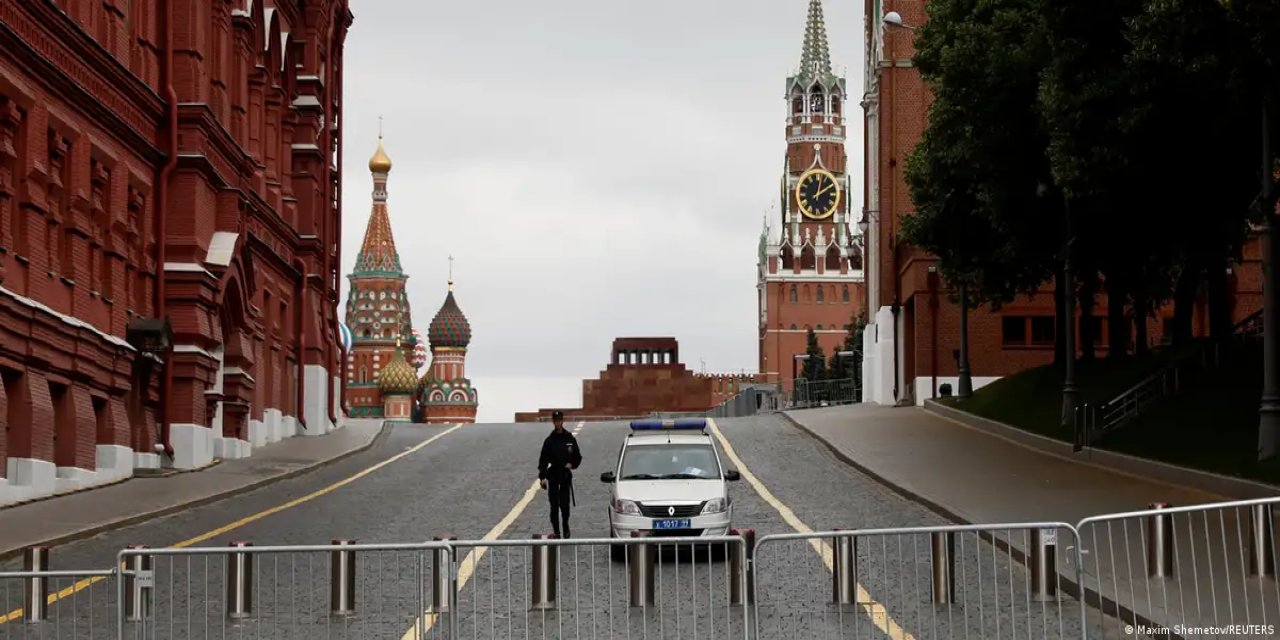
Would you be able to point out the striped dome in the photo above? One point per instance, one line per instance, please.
(397, 377)
(450, 327)
(345, 337)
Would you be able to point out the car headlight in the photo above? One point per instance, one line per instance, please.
(714, 505)
(626, 507)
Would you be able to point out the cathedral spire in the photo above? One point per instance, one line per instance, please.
(378, 252)
(815, 60)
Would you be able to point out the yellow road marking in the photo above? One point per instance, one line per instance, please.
(880, 618)
(468, 564)
(87, 582)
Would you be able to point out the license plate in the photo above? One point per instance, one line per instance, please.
(682, 523)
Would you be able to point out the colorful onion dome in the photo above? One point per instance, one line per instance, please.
(345, 336)
(397, 377)
(450, 327)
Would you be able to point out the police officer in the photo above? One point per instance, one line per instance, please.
(560, 456)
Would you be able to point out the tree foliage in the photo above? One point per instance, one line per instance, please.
(815, 367)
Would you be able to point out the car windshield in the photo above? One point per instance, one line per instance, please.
(670, 461)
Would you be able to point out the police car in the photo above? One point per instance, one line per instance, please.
(669, 482)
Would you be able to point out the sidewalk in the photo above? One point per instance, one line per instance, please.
(974, 477)
(79, 515)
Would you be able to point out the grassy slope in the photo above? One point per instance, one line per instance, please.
(1211, 424)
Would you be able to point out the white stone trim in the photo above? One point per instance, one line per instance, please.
(222, 247)
(193, 445)
(924, 385)
(306, 101)
(186, 267)
(73, 321)
(191, 348)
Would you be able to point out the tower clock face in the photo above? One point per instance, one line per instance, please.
(818, 194)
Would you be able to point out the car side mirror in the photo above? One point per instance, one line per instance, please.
(732, 475)
(607, 477)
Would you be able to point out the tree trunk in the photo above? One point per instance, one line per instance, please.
(1184, 303)
(1088, 294)
(1219, 302)
(1117, 323)
(1141, 345)
(1060, 336)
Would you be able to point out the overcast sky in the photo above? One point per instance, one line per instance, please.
(597, 169)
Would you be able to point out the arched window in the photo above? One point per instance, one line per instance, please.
(808, 295)
(821, 296)
(364, 374)
(818, 328)
(845, 294)
(816, 102)
(797, 104)
(835, 105)
(832, 293)
(793, 296)
(793, 326)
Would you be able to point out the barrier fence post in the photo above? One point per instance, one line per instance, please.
(1159, 542)
(138, 581)
(441, 578)
(844, 570)
(943, 552)
(1262, 559)
(342, 579)
(35, 597)
(240, 582)
(742, 568)
(643, 560)
(545, 563)
(1044, 564)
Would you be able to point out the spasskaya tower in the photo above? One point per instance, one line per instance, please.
(810, 265)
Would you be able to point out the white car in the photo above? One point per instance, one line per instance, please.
(669, 482)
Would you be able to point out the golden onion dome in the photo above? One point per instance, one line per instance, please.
(380, 162)
(397, 377)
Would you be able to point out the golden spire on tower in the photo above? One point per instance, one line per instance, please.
(380, 162)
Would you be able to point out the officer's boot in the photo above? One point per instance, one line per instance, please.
(566, 527)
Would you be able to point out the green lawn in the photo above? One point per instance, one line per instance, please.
(1211, 424)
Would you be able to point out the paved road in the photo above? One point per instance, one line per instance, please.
(477, 481)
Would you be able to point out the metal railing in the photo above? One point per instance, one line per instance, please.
(824, 393)
(1095, 421)
(1164, 572)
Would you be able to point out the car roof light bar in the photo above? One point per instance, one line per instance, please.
(679, 424)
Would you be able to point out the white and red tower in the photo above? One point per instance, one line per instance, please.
(810, 267)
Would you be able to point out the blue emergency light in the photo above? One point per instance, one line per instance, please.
(679, 424)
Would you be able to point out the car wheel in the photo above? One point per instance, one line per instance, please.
(617, 552)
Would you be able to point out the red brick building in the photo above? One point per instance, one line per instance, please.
(810, 273)
(177, 160)
(645, 375)
(912, 342)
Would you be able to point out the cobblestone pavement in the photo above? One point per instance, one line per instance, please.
(471, 479)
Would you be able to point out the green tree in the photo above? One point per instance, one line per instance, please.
(979, 177)
(815, 367)
(839, 368)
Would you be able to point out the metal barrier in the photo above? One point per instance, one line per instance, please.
(823, 393)
(39, 602)
(943, 582)
(1193, 568)
(656, 587)
(342, 590)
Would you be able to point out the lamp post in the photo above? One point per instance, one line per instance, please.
(1269, 410)
(964, 386)
(1070, 393)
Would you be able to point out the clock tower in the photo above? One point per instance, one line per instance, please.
(810, 264)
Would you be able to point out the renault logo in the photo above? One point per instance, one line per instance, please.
(671, 511)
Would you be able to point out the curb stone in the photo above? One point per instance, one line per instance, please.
(1068, 585)
(10, 554)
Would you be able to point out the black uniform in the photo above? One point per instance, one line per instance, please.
(560, 448)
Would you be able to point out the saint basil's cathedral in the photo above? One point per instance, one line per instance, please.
(384, 351)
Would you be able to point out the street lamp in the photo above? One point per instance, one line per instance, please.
(894, 19)
(964, 385)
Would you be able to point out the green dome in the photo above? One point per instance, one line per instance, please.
(397, 376)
